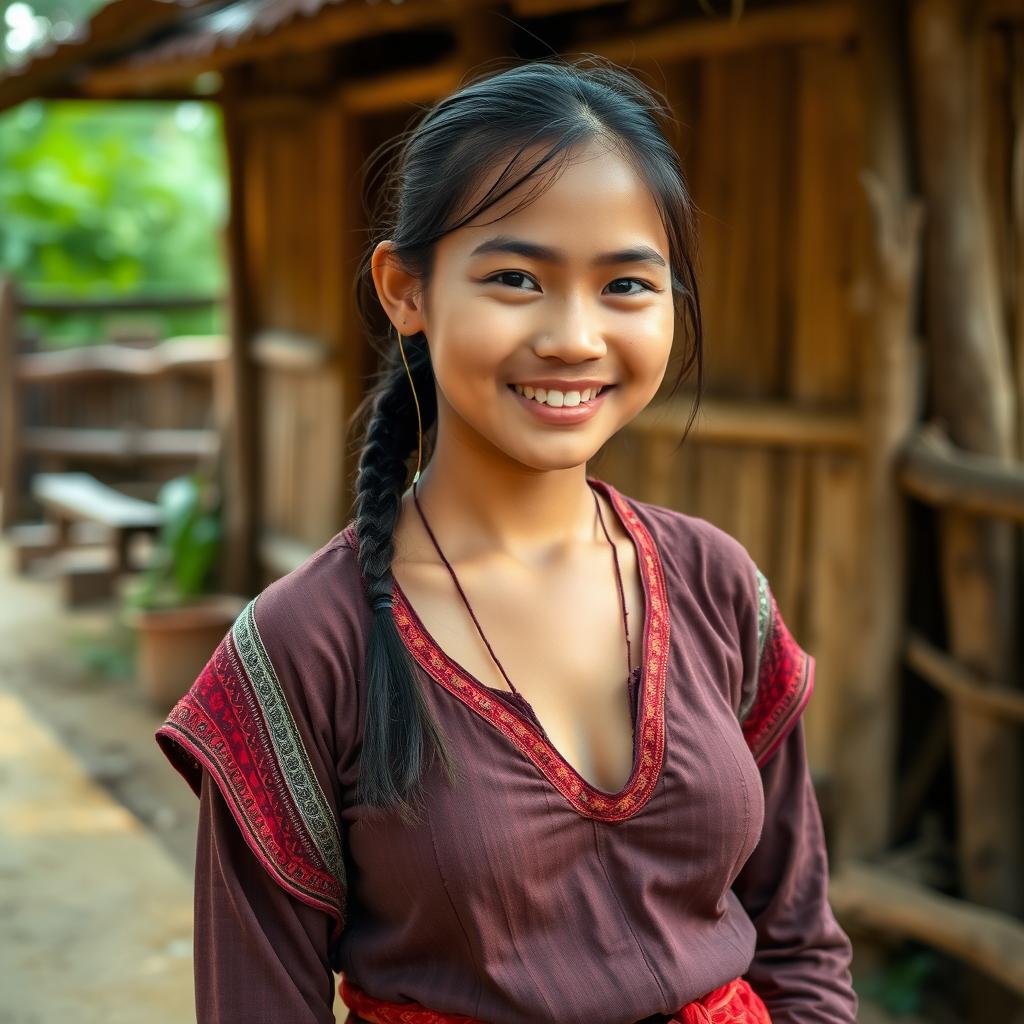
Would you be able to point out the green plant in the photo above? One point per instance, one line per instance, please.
(187, 547)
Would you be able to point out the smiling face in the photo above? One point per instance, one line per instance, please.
(567, 294)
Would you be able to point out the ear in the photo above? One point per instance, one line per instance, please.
(398, 290)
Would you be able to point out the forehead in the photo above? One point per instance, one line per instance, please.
(594, 201)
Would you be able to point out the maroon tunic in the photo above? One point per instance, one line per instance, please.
(527, 894)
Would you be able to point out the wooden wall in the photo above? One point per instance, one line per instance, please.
(773, 144)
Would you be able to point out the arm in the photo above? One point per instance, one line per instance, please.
(801, 963)
(270, 875)
(260, 954)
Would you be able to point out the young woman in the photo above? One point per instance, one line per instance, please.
(513, 746)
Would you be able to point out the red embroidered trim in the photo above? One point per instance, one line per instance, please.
(735, 1002)
(784, 684)
(650, 739)
(218, 725)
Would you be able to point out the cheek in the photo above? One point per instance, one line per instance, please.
(650, 347)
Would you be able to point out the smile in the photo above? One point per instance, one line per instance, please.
(575, 410)
(557, 399)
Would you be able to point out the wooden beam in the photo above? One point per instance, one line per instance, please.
(200, 353)
(398, 89)
(120, 444)
(726, 421)
(962, 685)
(934, 470)
(793, 25)
(971, 392)
(870, 898)
(868, 705)
(239, 412)
(330, 26)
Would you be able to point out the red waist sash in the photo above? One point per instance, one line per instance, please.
(735, 1002)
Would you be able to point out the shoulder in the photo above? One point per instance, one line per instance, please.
(698, 554)
(314, 618)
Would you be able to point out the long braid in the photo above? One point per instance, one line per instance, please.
(398, 719)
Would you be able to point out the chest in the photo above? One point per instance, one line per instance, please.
(561, 638)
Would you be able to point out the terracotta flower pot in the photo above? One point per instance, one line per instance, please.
(174, 644)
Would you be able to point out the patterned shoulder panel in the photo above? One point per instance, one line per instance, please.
(236, 723)
(775, 694)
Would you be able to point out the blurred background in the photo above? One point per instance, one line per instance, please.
(183, 204)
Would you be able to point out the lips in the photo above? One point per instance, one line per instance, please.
(566, 415)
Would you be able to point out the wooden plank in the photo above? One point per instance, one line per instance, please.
(175, 355)
(113, 444)
(824, 619)
(241, 457)
(786, 424)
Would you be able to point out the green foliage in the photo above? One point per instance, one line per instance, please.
(102, 199)
(189, 544)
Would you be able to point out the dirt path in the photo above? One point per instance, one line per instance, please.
(97, 830)
(96, 912)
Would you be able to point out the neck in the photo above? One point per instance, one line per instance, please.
(476, 508)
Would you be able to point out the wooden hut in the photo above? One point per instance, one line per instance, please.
(859, 165)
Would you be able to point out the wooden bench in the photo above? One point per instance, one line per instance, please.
(68, 498)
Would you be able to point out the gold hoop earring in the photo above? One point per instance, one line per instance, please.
(419, 421)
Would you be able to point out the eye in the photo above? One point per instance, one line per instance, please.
(522, 276)
(509, 273)
(646, 285)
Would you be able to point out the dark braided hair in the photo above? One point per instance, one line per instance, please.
(491, 120)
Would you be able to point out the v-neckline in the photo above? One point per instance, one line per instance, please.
(523, 731)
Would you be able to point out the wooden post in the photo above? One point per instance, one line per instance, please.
(10, 405)
(972, 394)
(241, 442)
(866, 758)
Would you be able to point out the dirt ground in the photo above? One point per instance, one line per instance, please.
(97, 831)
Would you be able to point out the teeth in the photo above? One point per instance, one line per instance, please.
(557, 399)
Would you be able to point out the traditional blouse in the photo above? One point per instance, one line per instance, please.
(525, 894)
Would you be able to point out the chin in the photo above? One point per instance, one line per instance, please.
(557, 457)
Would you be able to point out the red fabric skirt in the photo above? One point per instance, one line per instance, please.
(735, 1002)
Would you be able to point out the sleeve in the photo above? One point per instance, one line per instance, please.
(802, 958)
(260, 954)
(241, 739)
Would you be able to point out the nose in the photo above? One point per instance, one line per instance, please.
(574, 337)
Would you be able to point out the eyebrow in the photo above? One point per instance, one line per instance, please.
(545, 254)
